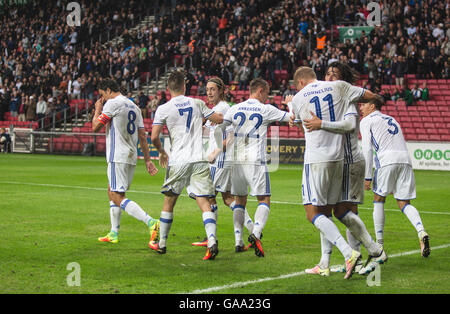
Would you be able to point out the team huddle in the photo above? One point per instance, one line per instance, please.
(336, 170)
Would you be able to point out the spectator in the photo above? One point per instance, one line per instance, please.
(30, 114)
(143, 102)
(244, 75)
(425, 92)
(5, 140)
(399, 69)
(4, 106)
(396, 95)
(14, 103)
(41, 108)
(23, 107)
(408, 96)
(153, 105)
(201, 90)
(416, 92)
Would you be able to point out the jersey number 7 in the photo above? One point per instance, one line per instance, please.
(189, 117)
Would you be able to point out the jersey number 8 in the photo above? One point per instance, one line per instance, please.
(131, 127)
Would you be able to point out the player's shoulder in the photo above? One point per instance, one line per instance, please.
(222, 106)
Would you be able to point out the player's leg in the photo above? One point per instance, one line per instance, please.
(405, 191)
(174, 182)
(323, 183)
(382, 186)
(115, 214)
(229, 200)
(259, 181)
(239, 188)
(202, 187)
(358, 230)
(214, 209)
(165, 222)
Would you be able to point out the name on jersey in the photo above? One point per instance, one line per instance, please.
(320, 91)
(183, 104)
(249, 108)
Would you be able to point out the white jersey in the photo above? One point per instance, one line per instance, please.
(223, 160)
(250, 120)
(382, 133)
(183, 117)
(329, 101)
(122, 132)
(352, 150)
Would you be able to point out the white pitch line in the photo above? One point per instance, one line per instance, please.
(296, 274)
(159, 193)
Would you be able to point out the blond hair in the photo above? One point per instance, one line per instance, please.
(304, 73)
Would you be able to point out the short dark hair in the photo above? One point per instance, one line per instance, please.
(258, 83)
(378, 102)
(176, 81)
(108, 83)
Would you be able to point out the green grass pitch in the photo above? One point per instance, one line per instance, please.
(53, 209)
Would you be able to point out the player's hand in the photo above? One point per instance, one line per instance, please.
(99, 104)
(151, 168)
(291, 121)
(163, 159)
(287, 99)
(212, 157)
(312, 124)
(367, 185)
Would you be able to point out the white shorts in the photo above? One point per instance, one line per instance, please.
(397, 179)
(120, 176)
(322, 183)
(353, 182)
(221, 178)
(194, 176)
(253, 176)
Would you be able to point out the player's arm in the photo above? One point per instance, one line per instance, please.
(156, 141)
(369, 96)
(348, 124)
(158, 125)
(367, 152)
(221, 143)
(99, 119)
(146, 151)
(208, 114)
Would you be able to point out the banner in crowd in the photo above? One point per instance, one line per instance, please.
(430, 156)
(352, 32)
(289, 151)
(153, 151)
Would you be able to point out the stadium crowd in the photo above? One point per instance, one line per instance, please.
(44, 62)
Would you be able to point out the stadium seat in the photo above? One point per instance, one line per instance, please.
(422, 137)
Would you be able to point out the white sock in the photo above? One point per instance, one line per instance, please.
(238, 222)
(214, 209)
(378, 221)
(331, 232)
(165, 222)
(209, 222)
(326, 248)
(357, 233)
(352, 241)
(413, 216)
(248, 222)
(261, 216)
(133, 209)
(115, 213)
